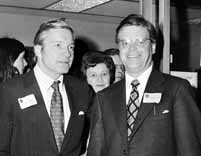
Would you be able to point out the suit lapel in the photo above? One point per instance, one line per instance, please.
(69, 92)
(119, 108)
(74, 108)
(39, 113)
(31, 87)
(153, 86)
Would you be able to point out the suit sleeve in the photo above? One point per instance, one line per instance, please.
(187, 122)
(96, 141)
(5, 124)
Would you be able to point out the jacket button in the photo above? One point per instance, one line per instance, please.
(124, 152)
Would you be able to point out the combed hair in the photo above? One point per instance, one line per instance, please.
(52, 24)
(137, 20)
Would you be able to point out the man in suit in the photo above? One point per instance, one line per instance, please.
(148, 113)
(38, 118)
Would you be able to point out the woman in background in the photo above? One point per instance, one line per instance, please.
(12, 61)
(98, 70)
(119, 67)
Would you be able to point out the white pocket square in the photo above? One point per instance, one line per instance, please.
(81, 113)
(165, 111)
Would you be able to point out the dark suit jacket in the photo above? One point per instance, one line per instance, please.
(28, 131)
(171, 127)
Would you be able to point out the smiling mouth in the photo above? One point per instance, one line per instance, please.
(133, 56)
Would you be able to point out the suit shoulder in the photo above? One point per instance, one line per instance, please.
(113, 87)
(174, 79)
(76, 82)
(176, 83)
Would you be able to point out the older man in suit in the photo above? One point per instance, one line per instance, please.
(45, 112)
(148, 113)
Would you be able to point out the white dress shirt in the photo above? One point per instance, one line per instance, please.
(45, 82)
(143, 78)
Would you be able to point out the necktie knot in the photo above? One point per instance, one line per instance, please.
(135, 83)
(55, 85)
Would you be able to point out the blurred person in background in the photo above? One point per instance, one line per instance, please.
(30, 57)
(119, 67)
(12, 58)
(98, 70)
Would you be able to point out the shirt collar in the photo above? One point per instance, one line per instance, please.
(44, 80)
(143, 78)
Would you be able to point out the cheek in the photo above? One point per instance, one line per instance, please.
(90, 81)
(48, 61)
(107, 78)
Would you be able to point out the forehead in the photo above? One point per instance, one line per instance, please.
(133, 32)
(98, 68)
(57, 35)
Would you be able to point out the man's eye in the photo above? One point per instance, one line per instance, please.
(124, 43)
(105, 74)
(71, 47)
(58, 45)
(142, 42)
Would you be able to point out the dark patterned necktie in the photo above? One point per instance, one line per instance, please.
(132, 107)
(57, 115)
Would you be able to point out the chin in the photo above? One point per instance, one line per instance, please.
(98, 89)
(64, 71)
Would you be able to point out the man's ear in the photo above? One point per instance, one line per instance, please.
(37, 50)
(153, 48)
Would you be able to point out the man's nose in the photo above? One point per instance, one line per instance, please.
(133, 46)
(67, 52)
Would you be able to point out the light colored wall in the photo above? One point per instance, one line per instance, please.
(24, 27)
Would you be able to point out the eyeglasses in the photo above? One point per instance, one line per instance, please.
(138, 43)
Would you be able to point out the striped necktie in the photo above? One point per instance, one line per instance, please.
(132, 107)
(57, 115)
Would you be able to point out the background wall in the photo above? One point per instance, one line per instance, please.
(24, 27)
(185, 38)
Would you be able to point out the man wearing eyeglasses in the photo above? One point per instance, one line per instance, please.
(46, 112)
(148, 113)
